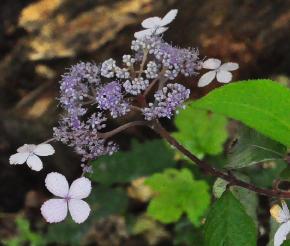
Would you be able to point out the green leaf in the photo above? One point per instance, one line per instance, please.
(260, 104)
(274, 225)
(25, 234)
(252, 148)
(285, 174)
(248, 198)
(176, 193)
(263, 175)
(201, 132)
(228, 224)
(106, 201)
(67, 232)
(286, 243)
(142, 160)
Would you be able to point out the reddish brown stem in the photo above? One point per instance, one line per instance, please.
(210, 170)
(121, 128)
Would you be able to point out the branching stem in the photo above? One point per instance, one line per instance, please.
(210, 170)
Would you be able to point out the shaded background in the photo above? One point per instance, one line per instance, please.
(39, 39)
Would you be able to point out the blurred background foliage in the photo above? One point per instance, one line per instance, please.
(140, 194)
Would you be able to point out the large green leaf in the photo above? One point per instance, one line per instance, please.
(248, 199)
(176, 193)
(286, 243)
(252, 148)
(228, 224)
(263, 175)
(201, 132)
(143, 159)
(261, 104)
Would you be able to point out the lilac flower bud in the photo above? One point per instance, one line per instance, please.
(167, 100)
(148, 43)
(122, 73)
(136, 86)
(151, 70)
(128, 60)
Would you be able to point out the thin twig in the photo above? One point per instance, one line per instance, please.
(148, 89)
(159, 77)
(48, 140)
(143, 62)
(121, 128)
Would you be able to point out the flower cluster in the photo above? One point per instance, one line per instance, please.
(81, 89)
(90, 94)
(109, 97)
(167, 100)
(84, 136)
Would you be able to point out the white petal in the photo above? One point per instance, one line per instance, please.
(281, 233)
(54, 210)
(57, 184)
(80, 188)
(18, 158)
(44, 150)
(151, 22)
(143, 33)
(160, 30)
(79, 210)
(224, 76)
(206, 78)
(26, 148)
(169, 17)
(34, 162)
(229, 66)
(285, 215)
(211, 63)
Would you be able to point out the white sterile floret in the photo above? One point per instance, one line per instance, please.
(151, 70)
(29, 153)
(70, 198)
(156, 25)
(135, 86)
(221, 72)
(282, 216)
(128, 60)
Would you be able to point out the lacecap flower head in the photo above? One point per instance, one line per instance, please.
(149, 81)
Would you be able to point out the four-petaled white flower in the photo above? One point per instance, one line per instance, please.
(156, 25)
(55, 210)
(221, 72)
(282, 216)
(29, 153)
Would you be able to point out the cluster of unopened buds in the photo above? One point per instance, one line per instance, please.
(90, 94)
